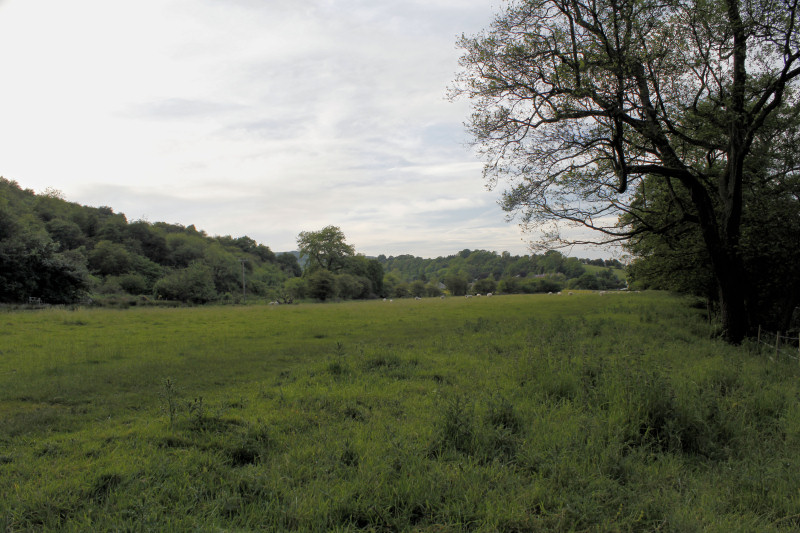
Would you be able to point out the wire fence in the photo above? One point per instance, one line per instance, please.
(778, 344)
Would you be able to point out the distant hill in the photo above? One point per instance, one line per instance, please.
(61, 252)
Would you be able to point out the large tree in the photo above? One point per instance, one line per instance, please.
(325, 248)
(577, 102)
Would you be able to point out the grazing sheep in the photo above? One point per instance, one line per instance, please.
(488, 294)
(417, 298)
(442, 296)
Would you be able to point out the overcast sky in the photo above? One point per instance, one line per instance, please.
(254, 117)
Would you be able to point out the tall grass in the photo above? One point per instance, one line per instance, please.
(514, 413)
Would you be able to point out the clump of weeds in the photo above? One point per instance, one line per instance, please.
(170, 397)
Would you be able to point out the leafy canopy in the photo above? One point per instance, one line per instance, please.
(576, 103)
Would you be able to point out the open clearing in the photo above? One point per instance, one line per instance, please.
(510, 413)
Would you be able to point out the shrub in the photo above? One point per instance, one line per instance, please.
(193, 284)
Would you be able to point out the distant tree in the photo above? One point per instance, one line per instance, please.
(109, 259)
(371, 269)
(510, 285)
(400, 289)
(551, 262)
(482, 286)
(457, 282)
(225, 267)
(31, 266)
(325, 248)
(289, 265)
(587, 281)
(293, 289)
(113, 228)
(150, 241)
(65, 233)
(134, 283)
(432, 289)
(194, 284)
(375, 275)
(321, 285)
(185, 248)
(571, 267)
(349, 286)
(417, 288)
(390, 281)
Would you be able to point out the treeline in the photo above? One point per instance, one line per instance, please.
(62, 252)
(481, 271)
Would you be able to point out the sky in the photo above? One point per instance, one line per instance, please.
(255, 117)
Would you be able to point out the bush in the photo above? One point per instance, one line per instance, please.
(321, 285)
(193, 284)
(483, 286)
(134, 283)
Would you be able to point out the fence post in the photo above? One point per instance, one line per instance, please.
(758, 344)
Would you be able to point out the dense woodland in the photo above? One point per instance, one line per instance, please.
(62, 252)
(481, 271)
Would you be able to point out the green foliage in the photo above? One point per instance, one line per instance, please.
(676, 259)
(325, 249)
(531, 285)
(492, 271)
(456, 282)
(194, 284)
(321, 285)
(289, 265)
(586, 109)
(47, 244)
(485, 285)
(31, 264)
(109, 259)
(294, 289)
(66, 233)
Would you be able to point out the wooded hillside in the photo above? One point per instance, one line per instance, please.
(62, 252)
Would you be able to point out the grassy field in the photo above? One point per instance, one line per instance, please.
(618, 272)
(510, 413)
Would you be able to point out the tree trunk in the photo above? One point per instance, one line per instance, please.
(733, 310)
(727, 266)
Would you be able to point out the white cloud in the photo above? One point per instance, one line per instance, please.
(252, 117)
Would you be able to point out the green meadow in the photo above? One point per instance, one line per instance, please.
(511, 413)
